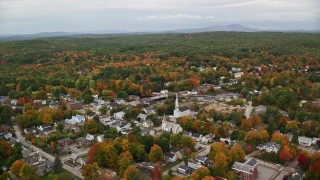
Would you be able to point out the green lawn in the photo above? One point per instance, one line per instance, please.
(64, 174)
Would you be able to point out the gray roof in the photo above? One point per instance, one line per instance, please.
(247, 167)
(184, 108)
(201, 158)
(251, 162)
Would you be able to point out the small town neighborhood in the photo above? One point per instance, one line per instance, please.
(101, 120)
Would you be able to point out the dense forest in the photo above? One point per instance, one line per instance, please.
(282, 65)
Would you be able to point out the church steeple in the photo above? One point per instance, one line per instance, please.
(177, 101)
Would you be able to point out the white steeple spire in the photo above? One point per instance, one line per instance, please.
(177, 101)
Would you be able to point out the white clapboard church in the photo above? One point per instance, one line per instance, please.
(180, 112)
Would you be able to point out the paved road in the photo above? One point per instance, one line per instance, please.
(49, 156)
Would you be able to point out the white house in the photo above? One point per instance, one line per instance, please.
(119, 115)
(238, 75)
(147, 123)
(269, 147)
(304, 141)
(182, 111)
(100, 138)
(207, 138)
(7, 135)
(314, 140)
(42, 102)
(89, 137)
(78, 119)
(119, 101)
(14, 102)
(148, 131)
(170, 126)
(141, 117)
(44, 127)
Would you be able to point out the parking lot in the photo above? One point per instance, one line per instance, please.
(264, 172)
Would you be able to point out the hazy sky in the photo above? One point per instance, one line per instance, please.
(32, 16)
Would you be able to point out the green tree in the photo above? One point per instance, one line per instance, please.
(57, 164)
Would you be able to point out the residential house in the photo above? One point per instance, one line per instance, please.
(64, 142)
(75, 105)
(141, 117)
(227, 140)
(148, 110)
(207, 138)
(89, 137)
(314, 140)
(289, 135)
(134, 98)
(78, 159)
(170, 126)
(247, 170)
(201, 159)
(238, 75)
(194, 165)
(91, 115)
(184, 170)
(208, 163)
(38, 161)
(82, 141)
(187, 133)
(148, 131)
(31, 130)
(304, 141)
(44, 127)
(119, 115)
(13, 102)
(100, 138)
(119, 101)
(42, 102)
(78, 119)
(197, 137)
(269, 147)
(170, 157)
(147, 123)
(7, 135)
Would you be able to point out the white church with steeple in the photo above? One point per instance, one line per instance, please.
(180, 112)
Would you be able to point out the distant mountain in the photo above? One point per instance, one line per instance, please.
(228, 28)
(231, 27)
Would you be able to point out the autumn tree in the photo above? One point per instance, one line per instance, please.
(315, 163)
(200, 173)
(91, 171)
(253, 137)
(91, 126)
(27, 172)
(220, 164)
(16, 166)
(131, 173)
(304, 159)
(216, 148)
(125, 160)
(104, 153)
(237, 153)
(156, 173)
(156, 154)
